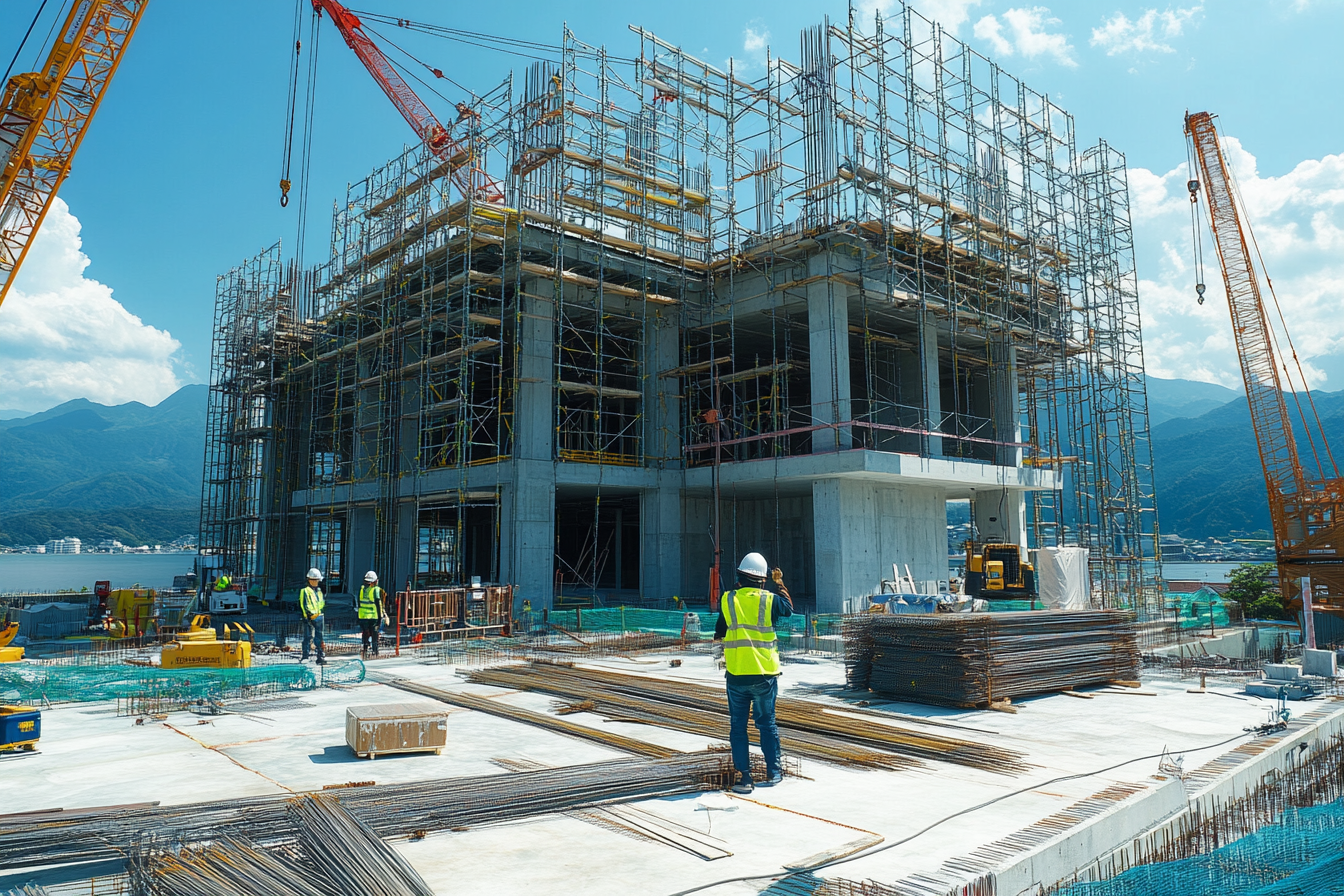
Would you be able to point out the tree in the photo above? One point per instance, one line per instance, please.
(1250, 586)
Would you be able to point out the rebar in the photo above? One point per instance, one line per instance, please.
(974, 659)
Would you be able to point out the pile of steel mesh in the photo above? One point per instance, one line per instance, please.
(974, 659)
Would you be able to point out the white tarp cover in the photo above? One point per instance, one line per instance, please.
(1062, 578)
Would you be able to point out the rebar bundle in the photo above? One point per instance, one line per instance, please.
(389, 810)
(974, 659)
(843, 735)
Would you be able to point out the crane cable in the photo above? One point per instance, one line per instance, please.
(1288, 337)
(23, 43)
(291, 102)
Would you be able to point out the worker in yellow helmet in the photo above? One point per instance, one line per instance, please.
(311, 604)
(744, 636)
(222, 583)
(371, 607)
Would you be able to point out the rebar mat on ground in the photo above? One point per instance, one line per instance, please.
(973, 659)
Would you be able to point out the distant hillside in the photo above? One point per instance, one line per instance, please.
(130, 472)
(1168, 399)
(1207, 468)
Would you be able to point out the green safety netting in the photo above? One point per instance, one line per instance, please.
(670, 622)
(1302, 855)
(43, 683)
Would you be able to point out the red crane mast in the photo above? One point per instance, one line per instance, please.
(468, 171)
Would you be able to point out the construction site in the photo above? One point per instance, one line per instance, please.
(569, 365)
(677, 316)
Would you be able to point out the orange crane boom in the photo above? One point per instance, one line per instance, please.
(1307, 511)
(44, 116)
(467, 171)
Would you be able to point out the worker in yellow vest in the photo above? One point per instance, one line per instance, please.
(311, 604)
(744, 636)
(371, 609)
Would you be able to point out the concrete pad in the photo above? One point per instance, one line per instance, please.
(1093, 781)
(1319, 662)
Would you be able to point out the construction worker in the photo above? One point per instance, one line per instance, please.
(744, 636)
(311, 604)
(222, 583)
(371, 609)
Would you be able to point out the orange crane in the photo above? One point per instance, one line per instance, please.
(44, 116)
(466, 169)
(1307, 509)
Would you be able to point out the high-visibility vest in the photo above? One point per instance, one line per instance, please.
(370, 596)
(311, 601)
(749, 647)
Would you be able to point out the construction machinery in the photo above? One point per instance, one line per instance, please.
(1306, 505)
(999, 572)
(130, 612)
(200, 647)
(9, 654)
(20, 727)
(45, 114)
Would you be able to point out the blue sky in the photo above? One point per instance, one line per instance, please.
(176, 182)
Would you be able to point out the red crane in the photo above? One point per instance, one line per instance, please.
(1307, 508)
(467, 170)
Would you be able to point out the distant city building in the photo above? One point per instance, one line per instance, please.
(32, 549)
(110, 546)
(66, 545)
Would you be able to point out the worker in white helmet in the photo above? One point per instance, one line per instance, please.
(371, 607)
(744, 636)
(311, 604)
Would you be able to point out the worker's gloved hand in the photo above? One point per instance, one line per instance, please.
(385, 620)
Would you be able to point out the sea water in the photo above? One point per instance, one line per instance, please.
(60, 572)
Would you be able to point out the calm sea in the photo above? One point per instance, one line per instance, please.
(1198, 572)
(53, 572)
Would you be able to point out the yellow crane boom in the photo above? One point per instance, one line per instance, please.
(44, 116)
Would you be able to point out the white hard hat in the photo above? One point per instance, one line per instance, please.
(315, 573)
(754, 565)
(370, 576)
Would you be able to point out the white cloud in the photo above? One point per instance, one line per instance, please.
(755, 44)
(951, 14)
(1120, 34)
(1023, 30)
(64, 336)
(1298, 222)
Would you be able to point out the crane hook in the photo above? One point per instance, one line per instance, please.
(284, 192)
(1193, 187)
(1199, 289)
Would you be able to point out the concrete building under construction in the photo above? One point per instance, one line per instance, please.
(795, 309)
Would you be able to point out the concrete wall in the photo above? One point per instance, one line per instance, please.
(862, 527)
(781, 529)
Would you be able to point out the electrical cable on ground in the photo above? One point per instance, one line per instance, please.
(968, 810)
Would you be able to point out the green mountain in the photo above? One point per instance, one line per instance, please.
(1168, 399)
(130, 472)
(1207, 468)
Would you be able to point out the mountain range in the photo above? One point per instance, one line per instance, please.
(133, 472)
(130, 472)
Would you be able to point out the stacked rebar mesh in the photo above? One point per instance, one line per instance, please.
(974, 659)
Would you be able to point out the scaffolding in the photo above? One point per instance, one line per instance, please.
(890, 244)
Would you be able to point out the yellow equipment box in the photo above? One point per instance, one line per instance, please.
(207, 655)
(11, 654)
(20, 727)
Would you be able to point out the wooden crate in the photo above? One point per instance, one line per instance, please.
(395, 728)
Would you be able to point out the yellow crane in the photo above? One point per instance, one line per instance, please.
(44, 116)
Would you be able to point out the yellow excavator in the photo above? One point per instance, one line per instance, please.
(998, 572)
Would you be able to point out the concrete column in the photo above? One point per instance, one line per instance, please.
(862, 528)
(1000, 516)
(828, 355)
(661, 532)
(527, 505)
(1004, 407)
(662, 394)
(933, 387)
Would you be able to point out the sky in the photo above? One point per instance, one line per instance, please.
(176, 182)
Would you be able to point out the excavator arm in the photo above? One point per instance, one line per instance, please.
(468, 173)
